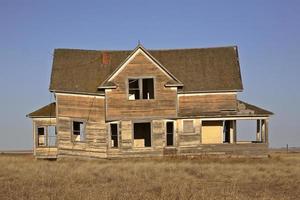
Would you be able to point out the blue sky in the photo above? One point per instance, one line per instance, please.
(266, 32)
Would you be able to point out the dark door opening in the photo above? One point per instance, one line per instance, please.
(142, 134)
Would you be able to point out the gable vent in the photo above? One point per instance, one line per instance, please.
(105, 58)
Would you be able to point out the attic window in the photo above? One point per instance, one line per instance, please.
(142, 88)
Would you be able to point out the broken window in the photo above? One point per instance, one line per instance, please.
(78, 131)
(141, 88)
(134, 89)
(114, 135)
(41, 136)
(170, 133)
(188, 126)
(142, 134)
(148, 88)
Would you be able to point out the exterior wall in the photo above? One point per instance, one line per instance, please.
(191, 105)
(164, 104)
(212, 132)
(89, 109)
(40, 151)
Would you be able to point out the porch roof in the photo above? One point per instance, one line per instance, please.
(243, 110)
(48, 111)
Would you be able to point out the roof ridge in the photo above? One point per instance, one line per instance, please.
(166, 49)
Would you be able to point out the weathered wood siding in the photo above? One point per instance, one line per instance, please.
(127, 148)
(165, 99)
(199, 104)
(191, 138)
(89, 109)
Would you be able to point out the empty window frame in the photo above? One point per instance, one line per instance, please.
(188, 126)
(170, 133)
(142, 134)
(142, 88)
(78, 131)
(114, 135)
(41, 140)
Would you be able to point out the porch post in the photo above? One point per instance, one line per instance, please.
(234, 131)
(258, 131)
(263, 131)
(267, 131)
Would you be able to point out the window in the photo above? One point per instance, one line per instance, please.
(188, 126)
(41, 136)
(78, 131)
(142, 135)
(140, 88)
(52, 136)
(170, 133)
(114, 135)
(134, 89)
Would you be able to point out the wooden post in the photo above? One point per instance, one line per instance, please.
(200, 127)
(231, 131)
(267, 131)
(263, 131)
(258, 131)
(234, 131)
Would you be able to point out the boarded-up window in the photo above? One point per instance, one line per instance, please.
(78, 131)
(41, 136)
(114, 135)
(188, 126)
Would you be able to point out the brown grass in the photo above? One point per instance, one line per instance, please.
(278, 177)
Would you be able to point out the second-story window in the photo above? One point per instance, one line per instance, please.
(142, 88)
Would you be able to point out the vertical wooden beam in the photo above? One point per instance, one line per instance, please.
(200, 133)
(263, 131)
(267, 131)
(34, 137)
(234, 131)
(258, 131)
(231, 132)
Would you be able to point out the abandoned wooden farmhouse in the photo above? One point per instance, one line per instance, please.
(141, 103)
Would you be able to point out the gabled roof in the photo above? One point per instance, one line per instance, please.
(199, 70)
(139, 49)
(48, 111)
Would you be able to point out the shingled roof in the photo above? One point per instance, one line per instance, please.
(200, 70)
(48, 111)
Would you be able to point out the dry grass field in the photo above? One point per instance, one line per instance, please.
(277, 177)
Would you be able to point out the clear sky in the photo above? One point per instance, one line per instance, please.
(266, 32)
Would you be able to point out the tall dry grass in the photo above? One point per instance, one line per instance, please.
(278, 177)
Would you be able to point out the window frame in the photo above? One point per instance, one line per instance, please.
(140, 81)
(45, 136)
(118, 135)
(84, 130)
(188, 132)
(166, 133)
(151, 133)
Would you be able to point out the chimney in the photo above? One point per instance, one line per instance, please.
(105, 58)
